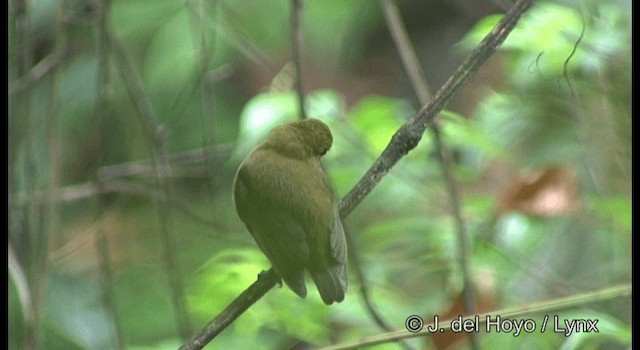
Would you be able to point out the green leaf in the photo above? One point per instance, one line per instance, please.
(460, 131)
(377, 118)
(71, 318)
(225, 275)
(133, 20)
(171, 60)
(478, 32)
(142, 302)
(165, 344)
(617, 209)
(265, 111)
(230, 272)
(545, 38)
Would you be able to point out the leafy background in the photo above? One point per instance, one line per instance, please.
(540, 138)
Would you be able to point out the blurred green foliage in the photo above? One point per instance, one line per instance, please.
(202, 65)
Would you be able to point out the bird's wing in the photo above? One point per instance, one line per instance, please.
(338, 248)
(330, 273)
(338, 242)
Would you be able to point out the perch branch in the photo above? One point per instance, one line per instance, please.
(404, 140)
(410, 133)
(266, 281)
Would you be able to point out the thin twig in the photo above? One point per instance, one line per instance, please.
(145, 167)
(543, 307)
(16, 273)
(545, 277)
(87, 190)
(37, 72)
(565, 65)
(422, 91)
(208, 117)
(405, 49)
(468, 288)
(241, 43)
(364, 287)
(29, 241)
(101, 8)
(410, 133)
(296, 52)
(576, 106)
(54, 144)
(405, 139)
(156, 135)
(91, 189)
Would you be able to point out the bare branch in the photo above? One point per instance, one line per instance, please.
(17, 274)
(37, 72)
(101, 116)
(364, 286)
(422, 91)
(145, 167)
(157, 134)
(410, 133)
(405, 139)
(296, 52)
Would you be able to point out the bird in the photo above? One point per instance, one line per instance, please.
(285, 200)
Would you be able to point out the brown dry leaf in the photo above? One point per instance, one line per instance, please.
(485, 300)
(551, 191)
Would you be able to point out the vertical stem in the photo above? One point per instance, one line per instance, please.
(208, 118)
(422, 91)
(101, 120)
(296, 52)
(28, 239)
(354, 258)
(52, 123)
(156, 135)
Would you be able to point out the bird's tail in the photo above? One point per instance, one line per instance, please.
(331, 282)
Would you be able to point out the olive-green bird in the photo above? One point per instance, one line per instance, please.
(284, 198)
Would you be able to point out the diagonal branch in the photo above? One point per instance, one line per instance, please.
(404, 140)
(266, 281)
(410, 133)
